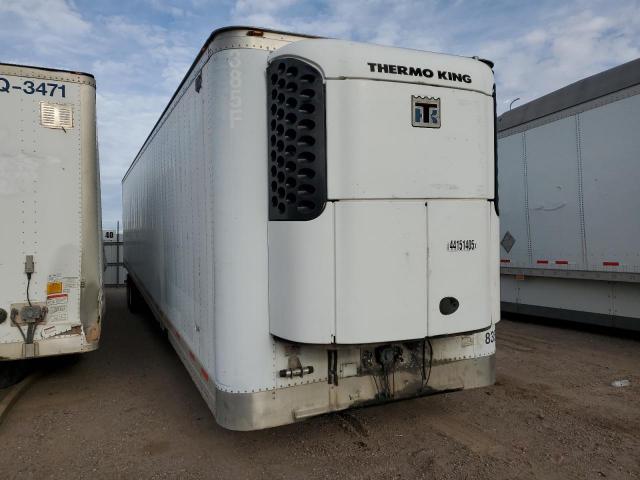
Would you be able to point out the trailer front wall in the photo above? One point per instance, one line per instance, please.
(198, 247)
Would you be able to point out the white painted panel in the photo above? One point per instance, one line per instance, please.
(610, 146)
(554, 210)
(513, 217)
(508, 288)
(373, 151)
(40, 188)
(626, 300)
(239, 201)
(464, 275)
(381, 260)
(579, 295)
(302, 279)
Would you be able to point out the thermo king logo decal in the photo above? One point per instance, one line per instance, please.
(425, 112)
(419, 72)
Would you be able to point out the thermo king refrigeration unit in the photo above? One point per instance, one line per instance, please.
(569, 175)
(314, 222)
(51, 297)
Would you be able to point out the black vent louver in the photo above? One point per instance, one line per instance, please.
(297, 143)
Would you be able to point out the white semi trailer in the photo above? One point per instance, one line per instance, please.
(313, 221)
(569, 176)
(51, 298)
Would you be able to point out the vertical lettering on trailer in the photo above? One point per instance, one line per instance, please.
(235, 83)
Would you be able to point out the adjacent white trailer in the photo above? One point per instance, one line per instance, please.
(51, 299)
(569, 176)
(313, 221)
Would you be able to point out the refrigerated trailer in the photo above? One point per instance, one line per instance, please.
(313, 221)
(51, 299)
(569, 176)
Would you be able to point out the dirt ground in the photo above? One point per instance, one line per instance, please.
(130, 410)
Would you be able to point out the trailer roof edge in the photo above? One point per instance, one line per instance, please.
(590, 88)
(203, 49)
(49, 69)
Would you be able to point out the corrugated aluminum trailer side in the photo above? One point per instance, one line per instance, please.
(51, 298)
(568, 181)
(309, 232)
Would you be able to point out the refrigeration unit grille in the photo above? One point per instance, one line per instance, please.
(297, 144)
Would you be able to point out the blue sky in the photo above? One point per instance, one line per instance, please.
(139, 50)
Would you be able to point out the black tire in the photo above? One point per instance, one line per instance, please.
(13, 372)
(134, 299)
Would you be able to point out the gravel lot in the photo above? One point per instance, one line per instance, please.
(130, 410)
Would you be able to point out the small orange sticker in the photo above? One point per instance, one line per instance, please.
(54, 288)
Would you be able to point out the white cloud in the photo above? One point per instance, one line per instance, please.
(535, 37)
(47, 16)
(47, 28)
(123, 124)
(250, 7)
(567, 49)
(168, 8)
(537, 48)
(139, 59)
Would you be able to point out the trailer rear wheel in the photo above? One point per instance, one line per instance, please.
(134, 299)
(12, 372)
